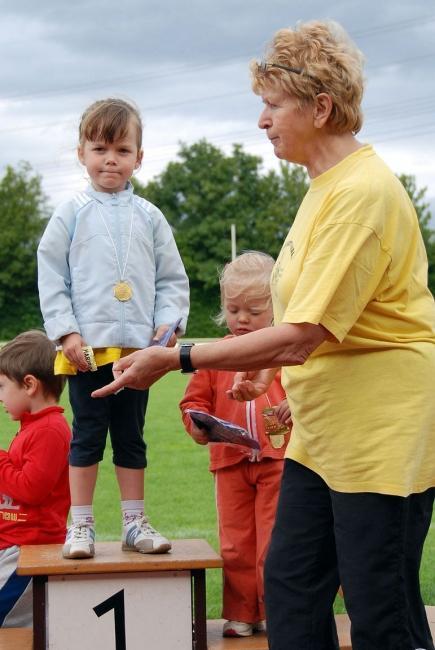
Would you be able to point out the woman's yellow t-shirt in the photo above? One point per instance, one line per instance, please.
(363, 404)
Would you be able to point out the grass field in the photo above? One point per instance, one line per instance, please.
(179, 487)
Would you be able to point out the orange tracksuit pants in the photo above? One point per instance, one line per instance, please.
(246, 497)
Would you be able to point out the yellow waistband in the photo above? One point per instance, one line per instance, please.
(102, 356)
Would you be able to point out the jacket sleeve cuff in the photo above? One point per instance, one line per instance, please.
(58, 327)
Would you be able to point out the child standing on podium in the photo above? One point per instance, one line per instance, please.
(34, 489)
(247, 482)
(110, 277)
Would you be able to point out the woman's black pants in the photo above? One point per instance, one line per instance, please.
(369, 543)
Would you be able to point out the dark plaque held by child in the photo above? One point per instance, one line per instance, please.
(219, 430)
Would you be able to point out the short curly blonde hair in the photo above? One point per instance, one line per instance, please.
(248, 275)
(328, 62)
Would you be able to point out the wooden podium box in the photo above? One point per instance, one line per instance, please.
(120, 599)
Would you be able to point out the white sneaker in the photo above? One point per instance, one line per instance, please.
(140, 536)
(260, 626)
(237, 628)
(80, 541)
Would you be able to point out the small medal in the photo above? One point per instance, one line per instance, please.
(274, 429)
(89, 356)
(122, 291)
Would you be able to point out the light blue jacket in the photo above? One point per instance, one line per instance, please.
(77, 270)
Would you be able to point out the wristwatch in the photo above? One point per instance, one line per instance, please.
(185, 362)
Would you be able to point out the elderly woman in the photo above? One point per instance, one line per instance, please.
(355, 334)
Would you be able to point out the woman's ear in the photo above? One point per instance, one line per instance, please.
(322, 109)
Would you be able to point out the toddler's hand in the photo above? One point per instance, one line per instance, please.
(198, 435)
(72, 348)
(250, 385)
(282, 412)
(160, 331)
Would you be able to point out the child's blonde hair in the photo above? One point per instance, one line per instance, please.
(108, 120)
(248, 275)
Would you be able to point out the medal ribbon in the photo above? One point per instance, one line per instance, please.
(121, 271)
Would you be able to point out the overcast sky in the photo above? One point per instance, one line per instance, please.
(185, 64)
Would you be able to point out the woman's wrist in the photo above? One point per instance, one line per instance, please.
(172, 358)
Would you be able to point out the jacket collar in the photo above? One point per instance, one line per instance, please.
(123, 197)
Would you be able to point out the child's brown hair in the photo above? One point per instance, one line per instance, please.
(32, 353)
(108, 120)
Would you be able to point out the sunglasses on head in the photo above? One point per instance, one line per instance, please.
(263, 66)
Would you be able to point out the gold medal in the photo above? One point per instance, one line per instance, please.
(274, 429)
(122, 291)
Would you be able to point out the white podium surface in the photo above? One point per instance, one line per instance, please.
(135, 611)
(119, 600)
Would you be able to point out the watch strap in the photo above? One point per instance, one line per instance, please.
(185, 362)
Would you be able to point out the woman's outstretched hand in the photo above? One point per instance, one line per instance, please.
(140, 369)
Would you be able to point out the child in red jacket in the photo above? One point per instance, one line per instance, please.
(247, 481)
(34, 488)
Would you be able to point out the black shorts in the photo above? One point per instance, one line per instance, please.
(123, 415)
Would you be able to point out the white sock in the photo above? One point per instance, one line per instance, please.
(82, 513)
(131, 509)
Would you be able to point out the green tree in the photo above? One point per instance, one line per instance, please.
(206, 191)
(422, 209)
(23, 215)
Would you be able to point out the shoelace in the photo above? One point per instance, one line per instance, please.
(143, 526)
(149, 530)
(80, 533)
